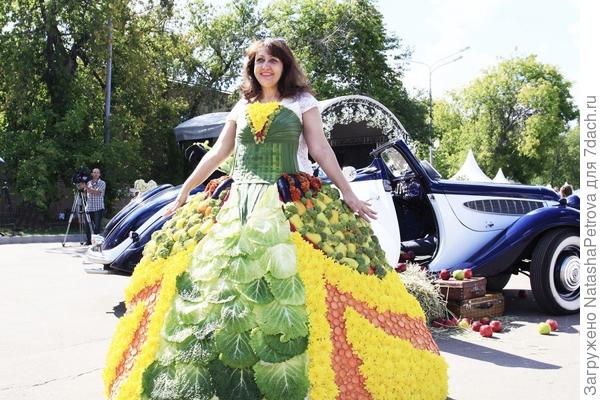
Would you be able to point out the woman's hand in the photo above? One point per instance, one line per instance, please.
(360, 207)
(178, 202)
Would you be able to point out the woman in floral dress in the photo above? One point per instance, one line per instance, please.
(269, 285)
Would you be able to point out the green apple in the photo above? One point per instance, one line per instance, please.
(544, 328)
(459, 275)
(464, 323)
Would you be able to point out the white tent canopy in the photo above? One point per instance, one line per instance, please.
(470, 171)
(500, 178)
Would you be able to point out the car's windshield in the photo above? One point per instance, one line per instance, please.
(395, 161)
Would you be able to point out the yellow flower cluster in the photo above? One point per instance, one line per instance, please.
(259, 116)
(320, 371)
(392, 367)
(120, 344)
(373, 345)
(166, 271)
(146, 274)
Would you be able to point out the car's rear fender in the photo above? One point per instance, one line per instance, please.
(511, 245)
(140, 214)
(129, 258)
(134, 203)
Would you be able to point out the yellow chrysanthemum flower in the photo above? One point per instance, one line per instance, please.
(259, 117)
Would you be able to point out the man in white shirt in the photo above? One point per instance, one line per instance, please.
(95, 202)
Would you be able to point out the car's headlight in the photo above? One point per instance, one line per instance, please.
(97, 240)
(349, 173)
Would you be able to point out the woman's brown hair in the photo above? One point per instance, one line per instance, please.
(293, 81)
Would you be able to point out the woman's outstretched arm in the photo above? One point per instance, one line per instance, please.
(207, 165)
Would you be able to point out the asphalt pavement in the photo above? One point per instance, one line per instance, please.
(56, 323)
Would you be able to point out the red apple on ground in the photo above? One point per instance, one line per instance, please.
(484, 321)
(553, 324)
(486, 331)
(468, 273)
(476, 326)
(445, 275)
(496, 326)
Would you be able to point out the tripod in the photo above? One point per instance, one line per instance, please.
(79, 204)
(5, 198)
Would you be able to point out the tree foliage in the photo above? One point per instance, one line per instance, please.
(514, 117)
(345, 49)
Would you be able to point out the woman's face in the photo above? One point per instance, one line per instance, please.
(267, 69)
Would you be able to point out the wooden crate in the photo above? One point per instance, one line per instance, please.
(462, 290)
(491, 305)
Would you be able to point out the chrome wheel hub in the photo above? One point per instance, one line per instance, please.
(569, 273)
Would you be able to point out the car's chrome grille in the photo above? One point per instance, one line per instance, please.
(504, 206)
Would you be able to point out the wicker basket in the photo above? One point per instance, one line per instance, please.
(462, 290)
(490, 305)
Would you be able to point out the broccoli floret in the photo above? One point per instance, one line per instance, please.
(291, 209)
(164, 252)
(362, 267)
(334, 193)
(370, 252)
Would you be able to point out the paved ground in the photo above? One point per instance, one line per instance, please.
(57, 321)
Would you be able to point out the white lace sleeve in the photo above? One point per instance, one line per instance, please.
(235, 111)
(303, 160)
(306, 102)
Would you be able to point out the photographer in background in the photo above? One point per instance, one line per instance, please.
(95, 189)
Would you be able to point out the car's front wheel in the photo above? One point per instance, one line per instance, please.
(555, 272)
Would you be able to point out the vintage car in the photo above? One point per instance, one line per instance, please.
(495, 229)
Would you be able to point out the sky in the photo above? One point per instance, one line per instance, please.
(493, 29)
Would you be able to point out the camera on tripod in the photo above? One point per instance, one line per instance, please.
(78, 209)
(81, 178)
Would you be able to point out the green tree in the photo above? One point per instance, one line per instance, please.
(566, 160)
(513, 117)
(55, 53)
(345, 49)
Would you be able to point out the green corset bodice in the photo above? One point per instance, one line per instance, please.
(265, 162)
